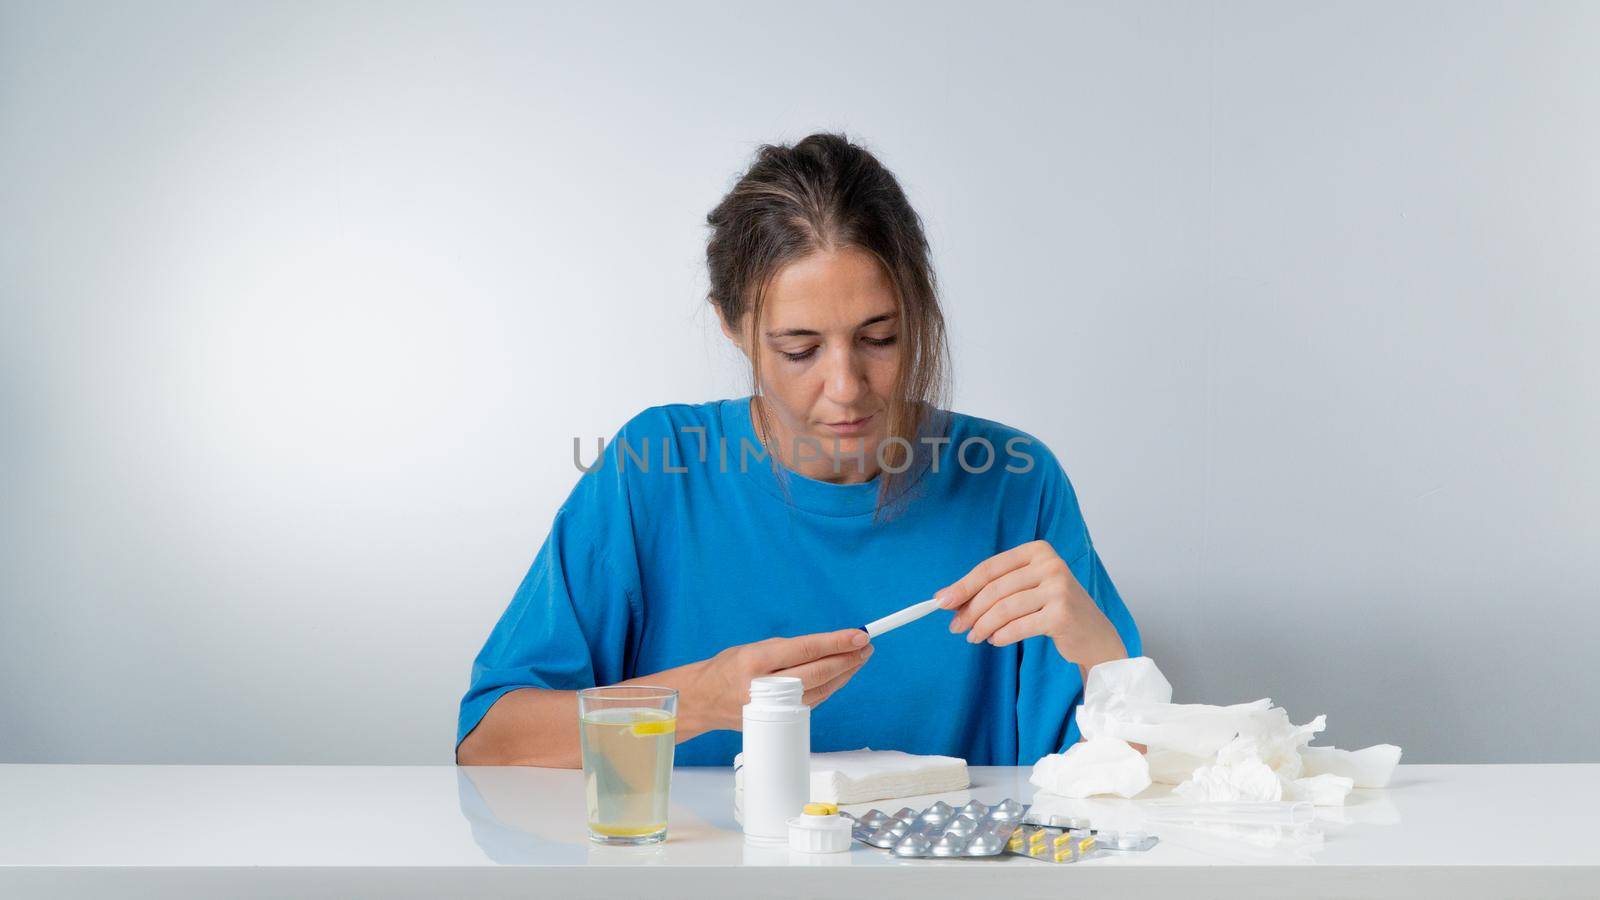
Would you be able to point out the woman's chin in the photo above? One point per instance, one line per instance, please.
(848, 449)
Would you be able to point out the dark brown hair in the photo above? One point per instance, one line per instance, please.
(825, 192)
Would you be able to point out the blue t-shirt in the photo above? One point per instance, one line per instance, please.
(646, 569)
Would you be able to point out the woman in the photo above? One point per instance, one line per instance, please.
(718, 542)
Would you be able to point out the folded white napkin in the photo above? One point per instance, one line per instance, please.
(857, 776)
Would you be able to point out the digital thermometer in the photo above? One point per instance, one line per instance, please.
(904, 617)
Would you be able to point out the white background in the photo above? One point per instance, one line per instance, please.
(301, 306)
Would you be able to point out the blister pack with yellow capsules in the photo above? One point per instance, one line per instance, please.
(1051, 844)
(1104, 838)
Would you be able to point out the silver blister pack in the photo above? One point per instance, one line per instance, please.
(976, 829)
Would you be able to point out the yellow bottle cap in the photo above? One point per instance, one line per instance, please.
(820, 809)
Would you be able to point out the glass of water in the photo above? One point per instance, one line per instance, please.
(628, 735)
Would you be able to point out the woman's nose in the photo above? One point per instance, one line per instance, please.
(846, 378)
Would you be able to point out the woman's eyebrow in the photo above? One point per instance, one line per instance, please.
(806, 332)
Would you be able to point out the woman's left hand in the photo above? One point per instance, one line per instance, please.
(1026, 591)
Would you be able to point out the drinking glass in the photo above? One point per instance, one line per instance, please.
(628, 735)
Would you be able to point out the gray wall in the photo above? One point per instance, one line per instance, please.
(302, 306)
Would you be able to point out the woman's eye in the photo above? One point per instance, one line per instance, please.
(798, 356)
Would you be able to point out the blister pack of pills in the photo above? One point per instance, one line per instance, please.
(1105, 839)
(976, 829)
(1051, 844)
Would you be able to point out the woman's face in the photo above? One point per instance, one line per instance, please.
(829, 356)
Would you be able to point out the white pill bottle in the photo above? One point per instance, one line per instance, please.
(777, 758)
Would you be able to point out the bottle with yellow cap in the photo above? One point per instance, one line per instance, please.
(819, 829)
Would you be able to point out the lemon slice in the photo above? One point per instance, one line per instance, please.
(650, 727)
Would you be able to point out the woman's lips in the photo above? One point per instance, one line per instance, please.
(855, 426)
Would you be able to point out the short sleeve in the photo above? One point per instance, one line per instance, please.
(1050, 688)
(575, 619)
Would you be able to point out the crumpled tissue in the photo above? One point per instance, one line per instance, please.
(1320, 790)
(1244, 752)
(1371, 767)
(1105, 766)
(1238, 773)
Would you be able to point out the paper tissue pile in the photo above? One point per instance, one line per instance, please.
(1245, 752)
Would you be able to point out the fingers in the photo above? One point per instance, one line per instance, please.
(992, 593)
(1033, 623)
(784, 653)
(1007, 608)
(821, 671)
(825, 690)
(968, 587)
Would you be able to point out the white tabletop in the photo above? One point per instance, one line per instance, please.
(1490, 830)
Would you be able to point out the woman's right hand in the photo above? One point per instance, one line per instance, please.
(823, 662)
